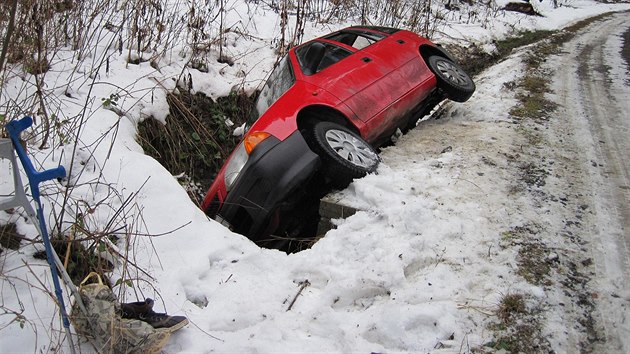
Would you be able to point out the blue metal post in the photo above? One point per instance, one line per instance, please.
(14, 128)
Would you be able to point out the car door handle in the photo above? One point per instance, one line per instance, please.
(366, 59)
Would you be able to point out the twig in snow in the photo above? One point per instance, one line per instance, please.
(303, 285)
(465, 180)
(206, 333)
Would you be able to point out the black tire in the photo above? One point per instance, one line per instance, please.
(344, 154)
(452, 79)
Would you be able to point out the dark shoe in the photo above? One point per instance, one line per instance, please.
(136, 309)
(162, 320)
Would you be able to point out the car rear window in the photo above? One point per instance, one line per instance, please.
(280, 80)
(332, 55)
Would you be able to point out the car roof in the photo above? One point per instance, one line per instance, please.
(386, 30)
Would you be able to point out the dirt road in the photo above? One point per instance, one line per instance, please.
(593, 90)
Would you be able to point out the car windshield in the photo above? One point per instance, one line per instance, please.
(280, 80)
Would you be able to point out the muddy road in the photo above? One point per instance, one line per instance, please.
(592, 85)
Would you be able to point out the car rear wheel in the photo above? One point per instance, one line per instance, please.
(452, 79)
(345, 155)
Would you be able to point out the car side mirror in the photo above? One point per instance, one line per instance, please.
(313, 57)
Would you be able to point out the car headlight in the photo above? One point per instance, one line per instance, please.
(241, 155)
(235, 165)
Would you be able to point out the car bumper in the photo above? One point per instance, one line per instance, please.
(269, 179)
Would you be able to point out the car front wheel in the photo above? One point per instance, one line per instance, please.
(345, 155)
(452, 79)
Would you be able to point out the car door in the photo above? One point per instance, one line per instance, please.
(352, 76)
(374, 86)
(371, 80)
(407, 73)
(408, 68)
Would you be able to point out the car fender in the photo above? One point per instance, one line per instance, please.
(428, 49)
(280, 119)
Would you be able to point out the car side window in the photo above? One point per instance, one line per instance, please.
(362, 42)
(332, 54)
(356, 39)
(280, 80)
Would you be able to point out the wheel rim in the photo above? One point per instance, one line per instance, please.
(452, 72)
(351, 149)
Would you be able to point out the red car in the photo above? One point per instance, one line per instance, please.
(322, 112)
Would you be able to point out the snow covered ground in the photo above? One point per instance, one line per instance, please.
(420, 269)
